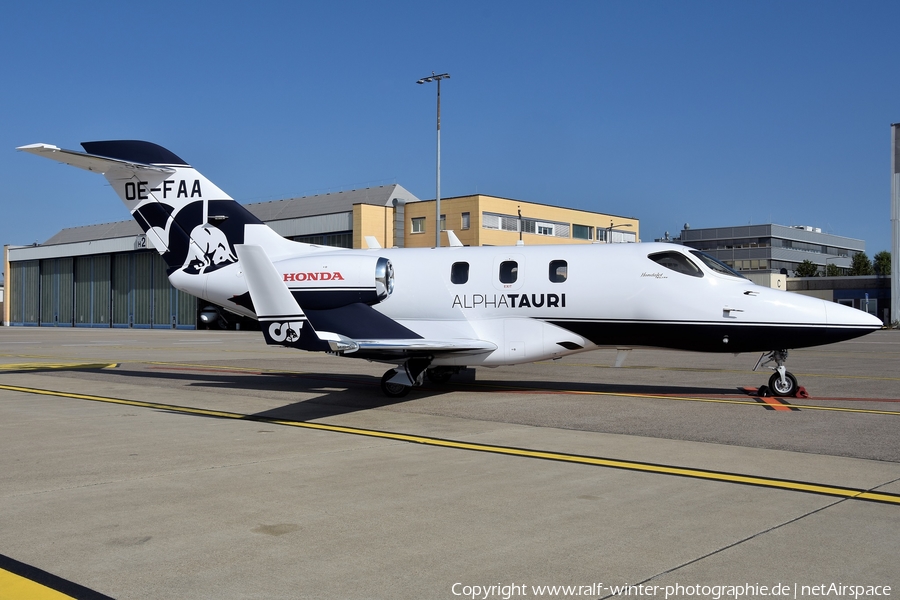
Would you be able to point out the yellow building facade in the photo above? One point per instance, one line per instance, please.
(481, 220)
(373, 221)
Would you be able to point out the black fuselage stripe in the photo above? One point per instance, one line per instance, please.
(707, 337)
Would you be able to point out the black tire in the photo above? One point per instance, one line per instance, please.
(439, 375)
(393, 390)
(781, 390)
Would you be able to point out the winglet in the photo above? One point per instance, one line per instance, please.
(453, 240)
(282, 320)
(38, 148)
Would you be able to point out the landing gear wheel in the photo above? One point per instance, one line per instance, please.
(788, 388)
(393, 390)
(439, 375)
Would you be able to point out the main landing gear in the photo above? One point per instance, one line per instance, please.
(396, 383)
(391, 389)
(782, 382)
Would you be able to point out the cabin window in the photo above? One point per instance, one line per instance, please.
(459, 272)
(509, 271)
(677, 262)
(559, 271)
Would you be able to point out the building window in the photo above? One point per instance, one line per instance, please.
(524, 225)
(338, 240)
(509, 271)
(544, 229)
(459, 272)
(465, 220)
(418, 225)
(443, 222)
(582, 232)
(559, 271)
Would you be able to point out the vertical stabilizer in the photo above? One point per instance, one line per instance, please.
(191, 222)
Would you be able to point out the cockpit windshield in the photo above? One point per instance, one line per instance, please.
(716, 265)
(681, 263)
(678, 262)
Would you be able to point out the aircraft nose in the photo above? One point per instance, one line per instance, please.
(838, 314)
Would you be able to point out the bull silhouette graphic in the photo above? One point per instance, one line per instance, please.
(209, 251)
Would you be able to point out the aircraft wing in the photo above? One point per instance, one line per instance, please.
(284, 322)
(396, 348)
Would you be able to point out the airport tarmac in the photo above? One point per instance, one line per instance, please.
(152, 464)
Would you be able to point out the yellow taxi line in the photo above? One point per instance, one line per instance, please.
(767, 482)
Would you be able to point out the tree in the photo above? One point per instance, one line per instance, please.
(861, 265)
(883, 263)
(806, 269)
(832, 270)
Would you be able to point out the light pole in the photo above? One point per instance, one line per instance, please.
(827, 258)
(895, 223)
(610, 228)
(437, 194)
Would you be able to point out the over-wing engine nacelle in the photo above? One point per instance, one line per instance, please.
(326, 281)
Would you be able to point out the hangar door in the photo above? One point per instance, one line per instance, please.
(23, 292)
(56, 292)
(143, 297)
(106, 290)
(92, 291)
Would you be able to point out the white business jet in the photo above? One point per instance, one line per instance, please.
(432, 312)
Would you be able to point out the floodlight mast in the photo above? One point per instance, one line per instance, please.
(610, 230)
(437, 194)
(895, 223)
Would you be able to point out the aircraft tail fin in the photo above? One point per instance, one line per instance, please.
(281, 319)
(190, 221)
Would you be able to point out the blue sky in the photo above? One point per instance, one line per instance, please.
(712, 113)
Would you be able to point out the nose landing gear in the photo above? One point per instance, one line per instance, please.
(782, 382)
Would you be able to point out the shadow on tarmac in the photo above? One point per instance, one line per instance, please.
(359, 392)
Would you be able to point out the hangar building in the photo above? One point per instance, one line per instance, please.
(108, 275)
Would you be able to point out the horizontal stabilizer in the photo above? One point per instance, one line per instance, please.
(90, 162)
